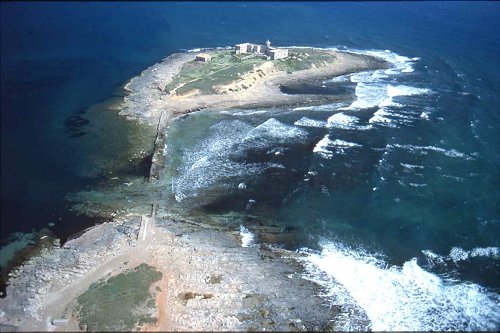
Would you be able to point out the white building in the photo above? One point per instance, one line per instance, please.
(249, 48)
(272, 52)
(204, 57)
(276, 54)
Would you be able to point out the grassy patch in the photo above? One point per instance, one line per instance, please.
(121, 303)
(299, 59)
(224, 68)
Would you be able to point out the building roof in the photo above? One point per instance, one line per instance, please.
(272, 50)
(204, 55)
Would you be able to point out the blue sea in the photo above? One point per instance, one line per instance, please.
(392, 196)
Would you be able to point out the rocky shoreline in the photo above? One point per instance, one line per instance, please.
(203, 269)
(210, 282)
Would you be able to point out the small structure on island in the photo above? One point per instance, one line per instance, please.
(272, 53)
(249, 48)
(277, 53)
(203, 57)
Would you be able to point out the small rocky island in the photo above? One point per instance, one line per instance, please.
(144, 270)
(229, 77)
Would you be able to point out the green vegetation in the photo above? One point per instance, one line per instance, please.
(121, 303)
(224, 68)
(299, 59)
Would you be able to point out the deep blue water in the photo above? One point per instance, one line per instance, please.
(59, 58)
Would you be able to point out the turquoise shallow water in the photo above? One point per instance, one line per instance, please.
(408, 170)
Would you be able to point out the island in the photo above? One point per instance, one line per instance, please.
(154, 273)
(225, 78)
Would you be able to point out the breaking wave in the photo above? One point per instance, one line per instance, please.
(373, 89)
(326, 148)
(307, 122)
(458, 254)
(403, 298)
(273, 131)
(344, 121)
(216, 161)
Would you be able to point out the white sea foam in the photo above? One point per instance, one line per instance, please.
(275, 131)
(326, 147)
(434, 258)
(308, 122)
(344, 144)
(401, 90)
(401, 64)
(417, 185)
(447, 152)
(403, 298)
(459, 254)
(381, 117)
(325, 107)
(247, 237)
(455, 178)
(373, 90)
(213, 164)
(342, 120)
(370, 94)
(411, 166)
(322, 147)
(249, 112)
(425, 115)
(209, 163)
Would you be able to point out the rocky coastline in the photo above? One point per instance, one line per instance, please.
(210, 281)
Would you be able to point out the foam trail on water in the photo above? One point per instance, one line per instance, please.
(326, 147)
(308, 122)
(322, 147)
(216, 161)
(458, 254)
(408, 297)
(344, 121)
(341, 120)
(325, 107)
(210, 163)
(374, 89)
(425, 149)
(275, 132)
(492, 252)
(247, 237)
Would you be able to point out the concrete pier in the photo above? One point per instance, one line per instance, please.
(158, 160)
(147, 225)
